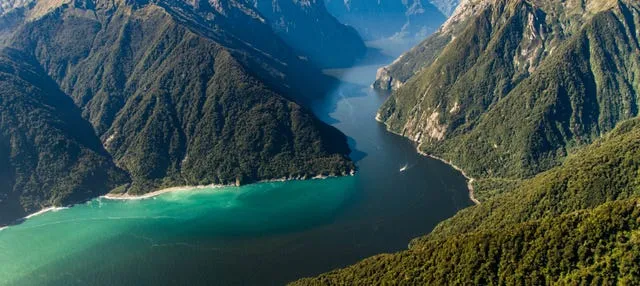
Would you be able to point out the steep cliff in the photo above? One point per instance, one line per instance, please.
(523, 84)
(178, 93)
(49, 155)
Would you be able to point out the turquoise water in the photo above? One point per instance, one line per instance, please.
(47, 247)
(263, 234)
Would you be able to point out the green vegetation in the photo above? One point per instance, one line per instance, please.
(498, 103)
(169, 94)
(595, 247)
(48, 154)
(576, 223)
(411, 62)
(526, 98)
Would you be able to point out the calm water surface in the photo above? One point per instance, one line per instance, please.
(259, 234)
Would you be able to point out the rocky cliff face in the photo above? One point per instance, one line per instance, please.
(410, 20)
(172, 93)
(308, 27)
(520, 83)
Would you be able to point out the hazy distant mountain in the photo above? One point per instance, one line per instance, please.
(7, 6)
(408, 19)
(178, 93)
(308, 27)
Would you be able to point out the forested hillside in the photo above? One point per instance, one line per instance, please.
(538, 101)
(574, 224)
(516, 90)
(49, 155)
(178, 94)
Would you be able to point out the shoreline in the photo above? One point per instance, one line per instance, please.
(42, 211)
(470, 180)
(125, 197)
(153, 194)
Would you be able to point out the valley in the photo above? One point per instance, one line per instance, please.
(268, 229)
(257, 142)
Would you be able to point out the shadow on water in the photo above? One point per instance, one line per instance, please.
(356, 155)
(261, 234)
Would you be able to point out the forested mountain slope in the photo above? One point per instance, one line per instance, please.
(522, 85)
(539, 100)
(574, 224)
(180, 93)
(49, 155)
(423, 54)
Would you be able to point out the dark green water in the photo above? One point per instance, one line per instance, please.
(260, 234)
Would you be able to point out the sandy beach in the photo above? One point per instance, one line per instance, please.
(42, 211)
(174, 189)
(196, 188)
(49, 209)
(127, 196)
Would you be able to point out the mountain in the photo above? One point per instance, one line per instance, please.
(537, 99)
(49, 155)
(10, 5)
(12, 14)
(574, 224)
(308, 27)
(447, 7)
(409, 20)
(393, 76)
(521, 85)
(178, 93)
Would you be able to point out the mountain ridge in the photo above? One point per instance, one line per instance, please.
(180, 95)
(407, 20)
(537, 100)
(458, 102)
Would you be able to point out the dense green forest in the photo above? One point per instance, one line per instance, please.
(49, 155)
(516, 91)
(578, 223)
(158, 94)
(538, 101)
